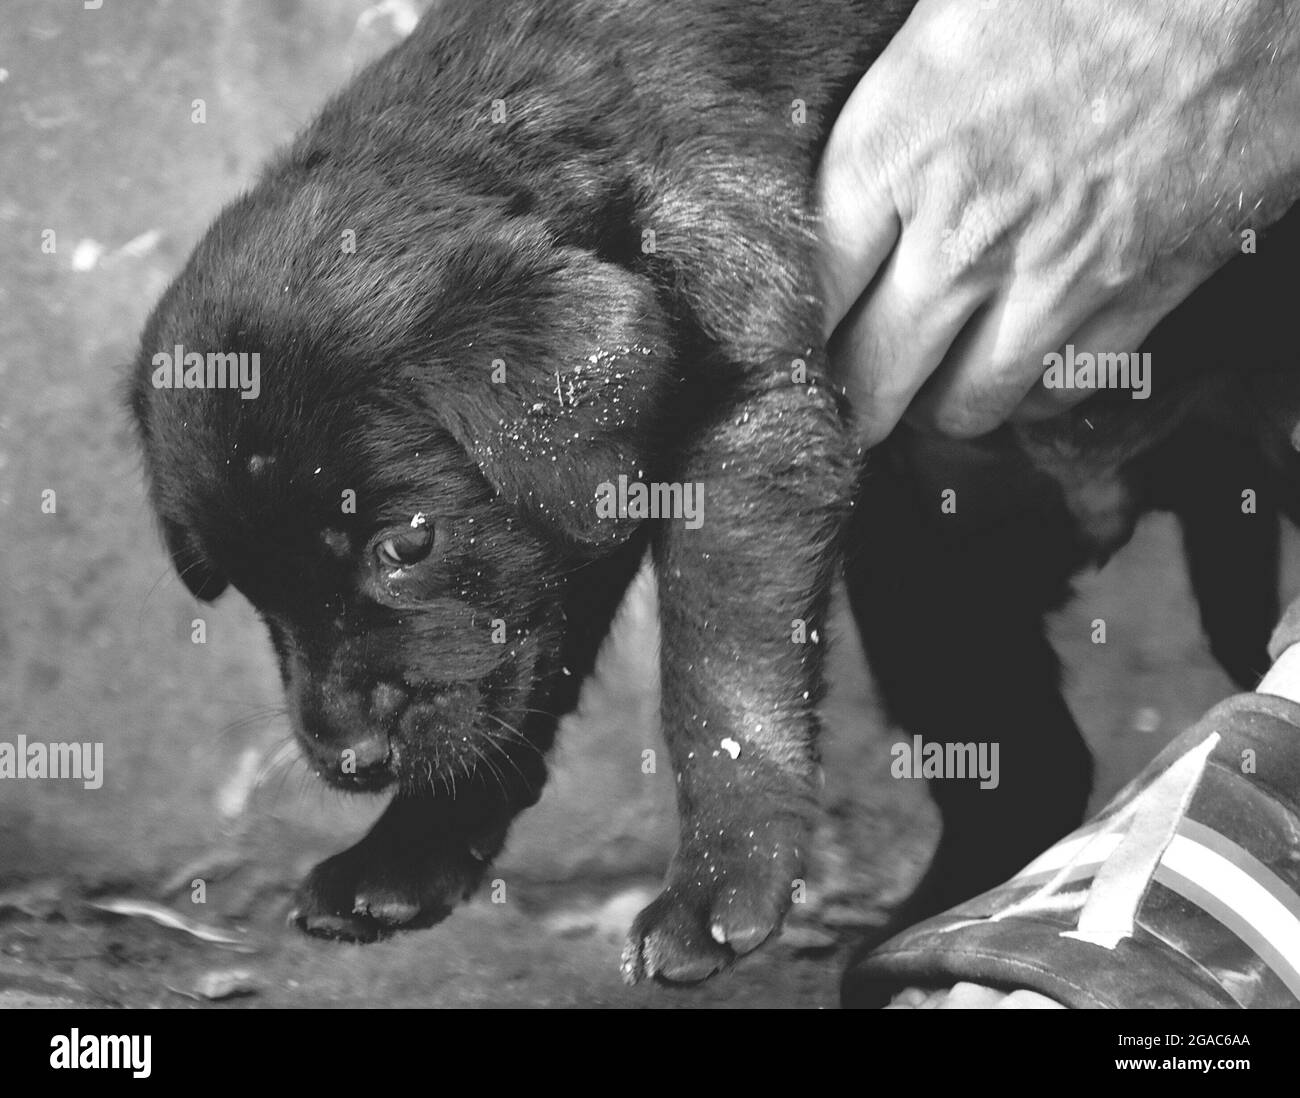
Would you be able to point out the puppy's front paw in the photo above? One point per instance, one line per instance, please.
(359, 896)
(712, 910)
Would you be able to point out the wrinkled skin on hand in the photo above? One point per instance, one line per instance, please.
(1010, 178)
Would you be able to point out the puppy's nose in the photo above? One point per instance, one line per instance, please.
(387, 700)
(371, 753)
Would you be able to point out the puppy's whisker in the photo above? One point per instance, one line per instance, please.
(279, 754)
(514, 732)
(513, 735)
(144, 602)
(438, 782)
(282, 757)
(515, 741)
(293, 765)
(492, 742)
(498, 738)
(304, 785)
(263, 715)
(504, 724)
(496, 774)
(286, 772)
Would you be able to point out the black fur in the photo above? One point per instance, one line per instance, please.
(528, 241)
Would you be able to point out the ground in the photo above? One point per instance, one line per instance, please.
(108, 181)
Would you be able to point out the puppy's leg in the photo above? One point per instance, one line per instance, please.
(743, 596)
(742, 602)
(1226, 499)
(949, 605)
(422, 857)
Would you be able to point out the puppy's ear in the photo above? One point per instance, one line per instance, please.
(196, 572)
(555, 371)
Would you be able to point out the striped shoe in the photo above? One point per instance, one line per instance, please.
(1183, 892)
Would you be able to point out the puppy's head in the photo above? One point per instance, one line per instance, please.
(407, 489)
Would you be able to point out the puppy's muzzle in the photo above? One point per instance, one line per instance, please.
(348, 734)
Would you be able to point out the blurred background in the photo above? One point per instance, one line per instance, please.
(105, 185)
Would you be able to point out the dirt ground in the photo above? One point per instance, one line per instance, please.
(105, 184)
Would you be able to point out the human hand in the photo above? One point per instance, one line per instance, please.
(1012, 176)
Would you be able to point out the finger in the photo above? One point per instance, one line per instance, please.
(1121, 327)
(896, 335)
(1042, 403)
(859, 223)
(997, 361)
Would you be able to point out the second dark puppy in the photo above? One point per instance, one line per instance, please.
(540, 249)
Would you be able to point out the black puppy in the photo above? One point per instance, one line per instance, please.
(541, 246)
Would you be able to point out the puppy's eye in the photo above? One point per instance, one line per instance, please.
(403, 549)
